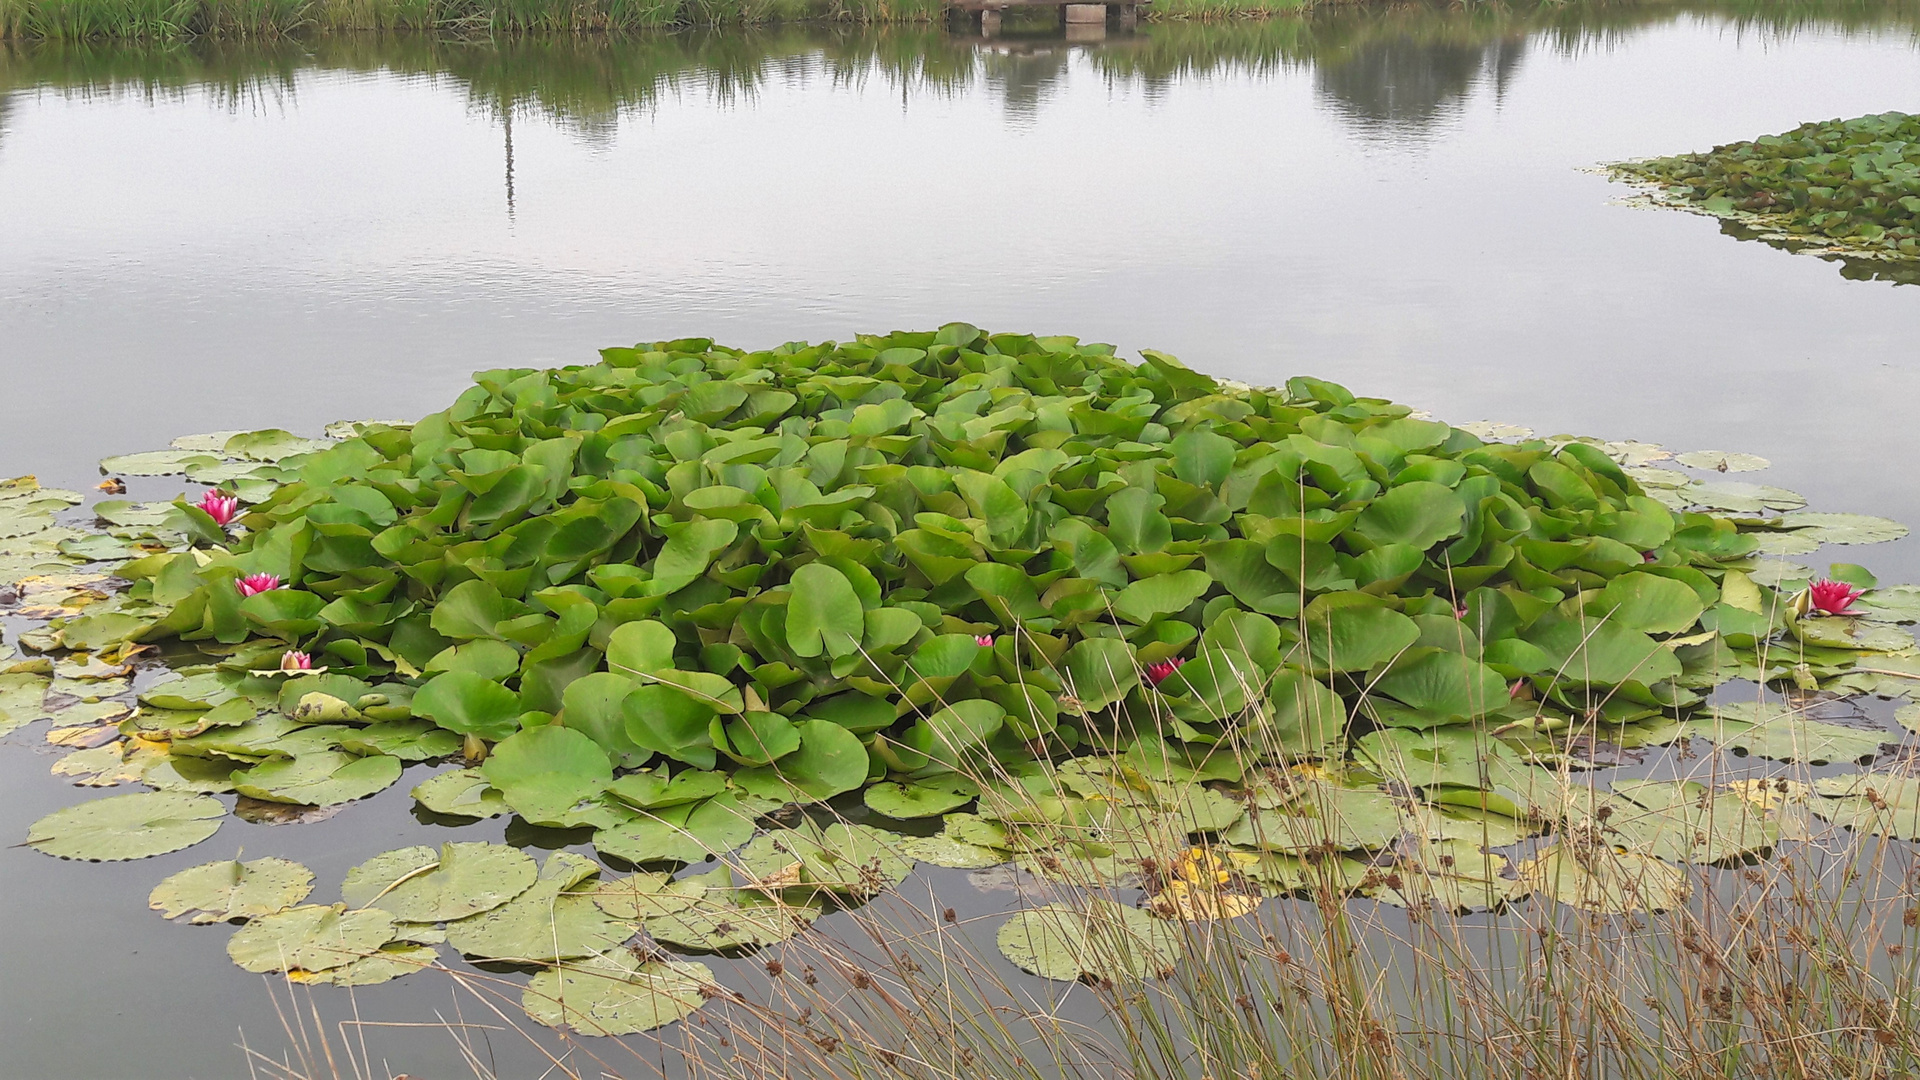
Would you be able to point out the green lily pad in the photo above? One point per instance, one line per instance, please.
(545, 771)
(156, 462)
(617, 994)
(691, 832)
(556, 918)
(1771, 731)
(385, 964)
(313, 937)
(1594, 877)
(122, 827)
(461, 793)
(1722, 461)
(406, 740)
(1844, 528)
(723, 919)
(323, 778)
(1104, 940)
(919, 800)
(941, 850)
(21, 696)
(647, 896)
(419, 884)
(1686, 822)
(232, 890)
(1877, 803)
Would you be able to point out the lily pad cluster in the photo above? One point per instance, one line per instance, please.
(1838, 186)
(1118, 624)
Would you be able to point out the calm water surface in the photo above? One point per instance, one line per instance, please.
(197, 239)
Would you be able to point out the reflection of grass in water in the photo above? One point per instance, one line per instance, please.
(587, 80)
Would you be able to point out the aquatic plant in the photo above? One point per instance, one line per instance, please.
(1121, 611)
(1838, 188)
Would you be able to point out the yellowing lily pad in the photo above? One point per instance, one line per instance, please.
(1594, 877)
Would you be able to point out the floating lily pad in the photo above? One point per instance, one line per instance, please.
(1722, 461)
(461, 793)
(313, 937)
(944, 851)
(556, 918)
(918, 800)
(407, 740)
(1454, 875)
(1687, 822)
(1105, 940)
(232, 890)
(207, 776)
(647, 896)
(617, 994)
(122, 827)
(156, 462)
(692, 832)
(1773, 731)
(1878, 803)
(21, 697)
(318, 779)
(724, 918)
(384, 964)
(1844, 528)
(420, 884)
(1594, 877)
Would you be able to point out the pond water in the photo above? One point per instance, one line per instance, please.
(201, 238)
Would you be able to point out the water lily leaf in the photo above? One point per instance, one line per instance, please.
(690, 547)
(1687, 822)
(1771, 731)
(1162, 594)
(1105, 940)
(617, 994)
(1594, 877)
(312, 937)
(461, 793)
(554, 919)
(122, 827)
(384, 964)
(210, 443)
(406, 740)
(1878, 803)
(465, 703)
(232, 890)
(724, 918)
(21, 696)
(830, 760)
(1436, 686)
(1099, 672)
(1737, 498)
(1844, 633)
(1418, 514)
(114, 763)
(1844, 528)
(206, 776)
(1354, 637)
(321, 778)
(544, 771)
(647, 896)
(825, 614)
(1316, 814)
(156, 462)
(1722, 461)
(1895, 604)
(1656, 605)
(691, 832)
(941, 850)
(1602, 653)
(668, 721)
(420, 884)
(919, 800)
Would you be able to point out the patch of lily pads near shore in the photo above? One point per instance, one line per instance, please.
(1122, 625)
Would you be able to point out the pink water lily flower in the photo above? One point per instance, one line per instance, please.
(1158, 671)
(295, 660)
(255, 584)
(220, 506)
(985, 641)
(1833, 597)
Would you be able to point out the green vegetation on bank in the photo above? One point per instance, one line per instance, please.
(1839, 187)
(1129, 628)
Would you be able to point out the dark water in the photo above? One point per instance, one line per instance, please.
(203, 238)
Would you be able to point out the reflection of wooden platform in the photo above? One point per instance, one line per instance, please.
(985, 14)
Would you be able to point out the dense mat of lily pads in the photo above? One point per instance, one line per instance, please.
(1124, 625)
(1839, 186)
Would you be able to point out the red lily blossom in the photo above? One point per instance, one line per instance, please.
(295, 660)
(1833, 597)
(1158, 671)
(220, 506)
(254, 584)
(985, 641)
